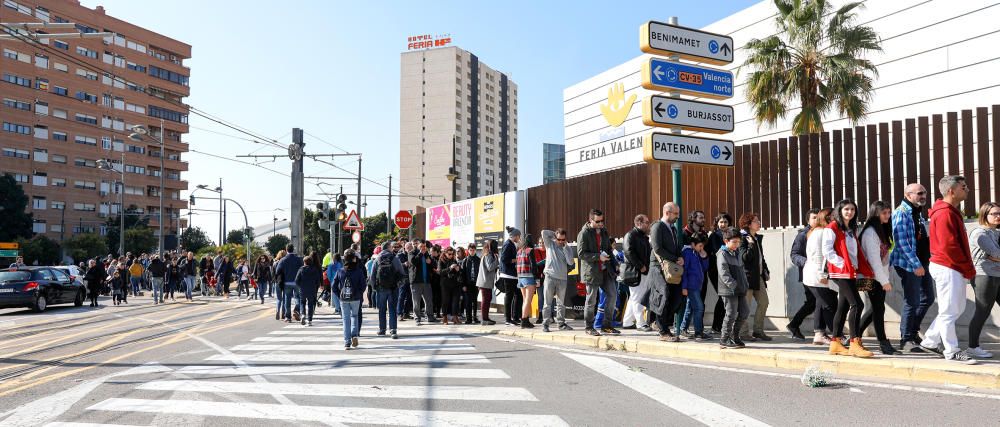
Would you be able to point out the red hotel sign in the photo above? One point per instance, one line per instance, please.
(427, 41)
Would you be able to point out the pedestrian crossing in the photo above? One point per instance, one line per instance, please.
(302, 374)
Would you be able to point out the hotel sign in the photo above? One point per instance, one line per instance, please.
(427, 41)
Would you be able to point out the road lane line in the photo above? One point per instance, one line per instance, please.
(698, 408)
(300, 336)
(266, 411)
(63, 424)
(347, 371)
(335, 347)
(354, 357)
(436, 392)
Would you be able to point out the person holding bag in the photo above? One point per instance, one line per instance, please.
(635, 273)
(350, 283)
(876, 240)
(842, 259)
(488, 267)
(665, 271)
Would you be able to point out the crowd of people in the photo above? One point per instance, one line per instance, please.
(653, 279)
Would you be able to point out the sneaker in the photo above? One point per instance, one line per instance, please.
(347, 347)
(565, 327)
(936, 350)
(611, 331)
(961, 357)
(646, 329)
(727, 343)
(354, 342)
(309, 323)
(795, 333)
(979, 353)
(762, 336)
(821, 339)
(393, 334)
(739, 342)
(629, 327)
(545, 328)
(593, 332)
(380, 333)
(508, 322)
(488, 322)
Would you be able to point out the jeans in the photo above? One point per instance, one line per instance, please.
(805, 310)
(849, 306)
(737, 310)
(404, 305)
(280, 302)
(157, 290)
(422, 292)
(335, 302)
(135, 281)
(918, 296)
(308, 303)
(262, 289)
(950, 286)
(826, 305)
(188, 286)
(292, 291)
(385, 300)
(608, 286)
(449, 300)
(555, 292)
(695, 313)
(987, 293)
(351, 328)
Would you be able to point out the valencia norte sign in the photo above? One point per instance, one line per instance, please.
(676, 78)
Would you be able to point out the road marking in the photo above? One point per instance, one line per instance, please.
(300, 336)
(347, 371)
(345, 390)
(63, 424)
(38, 411)
(333, 347)
(796, 377)
(676, 398)
(324, 413)
(353, 357)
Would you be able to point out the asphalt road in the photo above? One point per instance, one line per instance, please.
(220, 363)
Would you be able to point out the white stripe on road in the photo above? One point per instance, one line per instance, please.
(332, 347)
(353, 357)
(345, 390)
(680, 400)
(62, 424)
(299, 336)
(269, 411)
(347, 371)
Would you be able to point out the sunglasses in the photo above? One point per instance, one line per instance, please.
(563, 240)
(600, 221)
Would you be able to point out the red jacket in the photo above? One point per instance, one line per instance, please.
(949, 243)
(840, 246)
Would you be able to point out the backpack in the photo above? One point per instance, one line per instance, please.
(386, 273)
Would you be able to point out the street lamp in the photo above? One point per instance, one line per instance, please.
(274, 226)
(105, 165)
(222, 228)
(138, 132)
(452, 175)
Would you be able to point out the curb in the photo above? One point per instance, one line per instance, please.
(926, 371)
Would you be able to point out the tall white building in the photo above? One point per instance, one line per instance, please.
(938, 56)
(448, 98)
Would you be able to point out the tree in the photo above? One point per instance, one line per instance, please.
(140, 239)
(239, 237)
(276, 243)
(374, 228)
(133, 219)
(315, 238)
(85, 246)
(820, 65)
(14, 221)
(39, 250)
(193, 239)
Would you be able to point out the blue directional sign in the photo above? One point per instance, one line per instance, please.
(663, 75)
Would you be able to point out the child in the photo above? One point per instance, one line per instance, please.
(695, 268)
(733, 287)
(117, 288)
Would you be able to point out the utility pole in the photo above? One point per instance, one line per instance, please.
(388, 211)
(222, 224)
(162, 172)
(358, 205)
(295, 151)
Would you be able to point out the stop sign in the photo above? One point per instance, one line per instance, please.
(403, 220)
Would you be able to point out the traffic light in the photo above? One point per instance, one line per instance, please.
(191, 200)
(323, 214)
(341, 207)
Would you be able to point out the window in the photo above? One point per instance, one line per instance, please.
(135, 67)
(41, 132)
(56, 158)
(60, 67)
(40, 179)
(86, 119)
(135, 108)
(86, 185)
(60, 91)
(168, 75)
(41, 61)
(135, 169)
(58, 182)
(59, 136)
(86, 207)
(89, 75)
(135, 149)
(59, 113)
(60, 44)
(41, 108)
(166, 114)
(86, 97)
(86, 140)
(58, 206)
(106, 142)
(16, 128)
(56, 228)
(11, 54)
(20, 81)
(38, 226)
(13, 103)
(86, 52)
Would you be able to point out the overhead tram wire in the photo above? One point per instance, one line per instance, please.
(114, 76)
(399, 193)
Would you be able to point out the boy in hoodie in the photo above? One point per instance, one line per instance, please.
(695, 270)
(951, 267)
(733, 286)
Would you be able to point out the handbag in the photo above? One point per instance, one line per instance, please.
(672, 271)
(866, 285)
(629, 275)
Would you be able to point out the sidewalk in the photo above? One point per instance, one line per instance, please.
(782, 353)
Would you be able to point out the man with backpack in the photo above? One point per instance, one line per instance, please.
(388, 273)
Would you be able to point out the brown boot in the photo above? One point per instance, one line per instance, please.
(858, 350)
(838, 349)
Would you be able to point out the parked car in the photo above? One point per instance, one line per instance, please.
(38, 288)
(73, 272)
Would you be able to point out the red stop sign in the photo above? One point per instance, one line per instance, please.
(403, 220)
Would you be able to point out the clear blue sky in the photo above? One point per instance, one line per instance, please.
(332, 68)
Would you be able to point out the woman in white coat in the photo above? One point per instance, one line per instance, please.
(815, 278)
(876, 240)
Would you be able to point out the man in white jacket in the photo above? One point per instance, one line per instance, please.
(558, 259)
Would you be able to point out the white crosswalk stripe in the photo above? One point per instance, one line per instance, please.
(382, 391)
(347, 371)
(353, 357)
(333, 347)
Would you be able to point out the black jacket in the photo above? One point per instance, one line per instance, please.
(508, 258)
(667, 247)
(798, 252)
(752, 254)
(173, 274)
(157, 268)
(94, 277)
(262, 272)
(419, 265)
(637, 250)
(470, 266)
(308, 279)
(189, 267)
(450, 279)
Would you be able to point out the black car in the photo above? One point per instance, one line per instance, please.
(39, 287)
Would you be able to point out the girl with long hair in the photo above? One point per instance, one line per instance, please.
(985, 245)
(876, 240)
(842, 259)
(815, 278)
(488, 267)
(451, 272)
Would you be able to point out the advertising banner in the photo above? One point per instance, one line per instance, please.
(489, 218)
(439, 225)
(462, 223)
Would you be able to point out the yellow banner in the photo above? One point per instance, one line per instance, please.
(489, 214)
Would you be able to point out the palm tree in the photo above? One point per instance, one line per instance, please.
(822, 65)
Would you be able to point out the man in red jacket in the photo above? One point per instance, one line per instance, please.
(951, 268)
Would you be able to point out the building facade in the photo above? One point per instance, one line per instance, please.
(454, 110)
(69, 103)
(933, 60)
(553, 163)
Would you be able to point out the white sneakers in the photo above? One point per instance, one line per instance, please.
(961, 357)
(979, 353)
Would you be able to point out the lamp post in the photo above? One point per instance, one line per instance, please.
(138, 131)
(218, 190)
(107, 166)
(453, 171)
(274, 229)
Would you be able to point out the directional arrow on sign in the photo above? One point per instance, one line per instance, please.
(725, 49)
(659, 109)
(658, 72)
(727, 152)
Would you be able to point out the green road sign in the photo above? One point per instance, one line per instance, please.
(8, 253)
